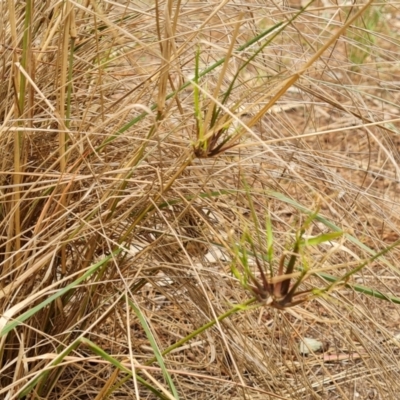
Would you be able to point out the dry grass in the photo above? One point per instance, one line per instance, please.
(127, 197)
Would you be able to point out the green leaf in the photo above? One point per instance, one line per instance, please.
(324, 237)
(105, 356)
(32, 311)
(155, 348)
(270, 240)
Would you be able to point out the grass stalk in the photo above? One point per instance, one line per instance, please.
(162, 164)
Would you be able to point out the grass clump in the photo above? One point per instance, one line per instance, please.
(192, 191)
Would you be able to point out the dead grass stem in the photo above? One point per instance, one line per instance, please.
(174, 176)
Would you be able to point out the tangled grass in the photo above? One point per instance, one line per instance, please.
(193, 194)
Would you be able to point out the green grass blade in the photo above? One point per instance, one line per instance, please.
(105, 356)
(208, 325)
(41, 378)
(196, 95)
(270, 240)
(155, 348)
(324, 237)
(32, 311)
(361, 289)
(206, 71)
(330, 225)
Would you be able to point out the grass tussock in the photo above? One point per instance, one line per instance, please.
(192, 194)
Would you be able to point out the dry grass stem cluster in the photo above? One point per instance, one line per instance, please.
(199, 200)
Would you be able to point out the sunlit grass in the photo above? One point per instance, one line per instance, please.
(190, 190)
